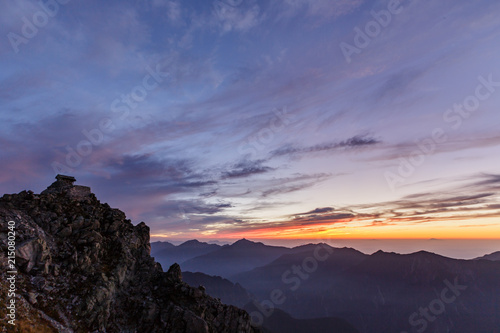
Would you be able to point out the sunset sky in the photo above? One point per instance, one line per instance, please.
(225, 119)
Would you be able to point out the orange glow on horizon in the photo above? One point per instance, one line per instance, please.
(355, 229)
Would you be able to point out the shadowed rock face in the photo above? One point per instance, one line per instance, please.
(83, 267)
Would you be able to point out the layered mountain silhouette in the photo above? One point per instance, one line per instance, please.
(276, 321)
(385, 292)
(168, 254)
(382, 292)
(232, 259)
(281, 322)
(158, 246)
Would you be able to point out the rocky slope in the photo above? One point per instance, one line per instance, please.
(83, 267)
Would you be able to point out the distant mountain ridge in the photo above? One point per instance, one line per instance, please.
(168, 254)
(495, 256)
(276, 322)
(241, 256)
(377, 293)
(157, 246)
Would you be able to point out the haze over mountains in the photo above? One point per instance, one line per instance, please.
(168, 253)
(382, 292)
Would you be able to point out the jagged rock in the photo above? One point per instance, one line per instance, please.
(31, 253)
(174, 273)
(83, 267)
(32, 298)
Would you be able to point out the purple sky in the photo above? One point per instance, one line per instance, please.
(217, 118)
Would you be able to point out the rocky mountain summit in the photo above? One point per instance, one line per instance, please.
(83, 267)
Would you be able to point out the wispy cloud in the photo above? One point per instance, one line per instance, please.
(409, 210)
(231, 64)
(322, 8)
(246, 168)
(453, 144)
(239, 18)
(351, 143)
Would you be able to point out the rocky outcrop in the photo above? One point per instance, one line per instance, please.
(64, 185)
(84, 267)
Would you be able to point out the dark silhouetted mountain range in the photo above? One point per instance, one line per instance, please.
(378, 293)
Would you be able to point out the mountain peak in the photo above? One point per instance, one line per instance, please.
(191, 242)
(245, 242)
(194, 243)
(381, 253)
(423, 253)
(96, 263)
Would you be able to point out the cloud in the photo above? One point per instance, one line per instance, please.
(286, 189)
(318, 211)
(185, 208)
(321, 8)
(295, 183)
(31, 146)
(148, 173)
(173, 9)
(322, 215)
(487, 181)
(442, 206)
(17, 86)
(339, 217)
(397, 84)
(236, 18)
(231, 63)
(453, 144)
(351, 143)
(246, 169)
(380, 224)
(416, 208)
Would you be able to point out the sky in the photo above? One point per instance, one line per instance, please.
(283, 119)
